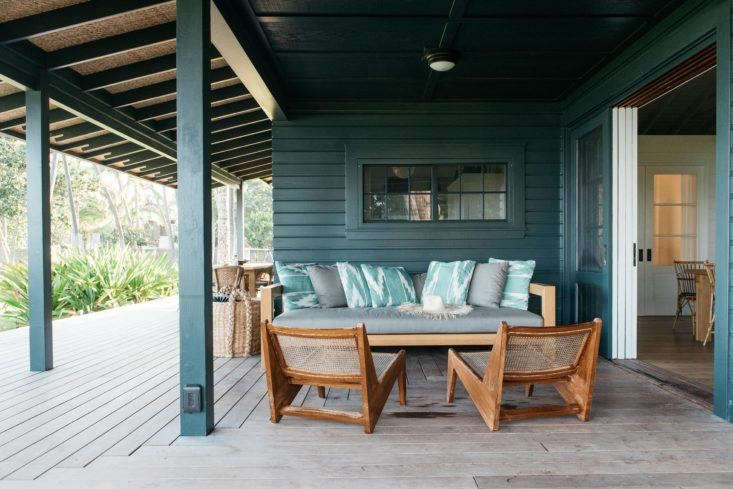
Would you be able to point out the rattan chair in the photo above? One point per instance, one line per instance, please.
(686, 290)
(341, 358)
(564, 356)
(710, 269)
(228, 278)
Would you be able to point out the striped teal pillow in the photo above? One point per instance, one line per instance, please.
(354, 283)
(298, 292)
(516, 289)
(388, 286)
(449, 280)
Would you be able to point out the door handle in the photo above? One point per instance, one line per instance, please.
(641, 254)
(648, 254)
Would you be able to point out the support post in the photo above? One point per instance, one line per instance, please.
(231, 252)
(239, 223)
(194, 217)
(39, 229)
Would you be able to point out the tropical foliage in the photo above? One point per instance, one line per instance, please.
(92, 281)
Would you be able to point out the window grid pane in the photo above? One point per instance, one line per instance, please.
(461, 192)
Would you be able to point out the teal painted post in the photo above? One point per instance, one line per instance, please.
(239, 223)
(194, 211)
(39, 229)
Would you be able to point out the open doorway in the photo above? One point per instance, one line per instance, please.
(676, 223)
(664, 179)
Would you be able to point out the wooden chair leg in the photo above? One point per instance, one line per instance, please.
(529, 390)
(677, 313)
(321, 392)
(451, 377)
(402, 385)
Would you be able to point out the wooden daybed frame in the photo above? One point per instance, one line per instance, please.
(545, 292)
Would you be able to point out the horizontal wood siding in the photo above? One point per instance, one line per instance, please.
(309, 188)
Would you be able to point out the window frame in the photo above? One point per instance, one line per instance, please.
(436, 152)
(435, 193)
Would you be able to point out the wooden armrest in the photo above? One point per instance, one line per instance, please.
(267, 301)
(546, 293)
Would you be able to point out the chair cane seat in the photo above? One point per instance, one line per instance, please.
(477, 360)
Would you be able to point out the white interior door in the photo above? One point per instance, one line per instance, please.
(669, 229)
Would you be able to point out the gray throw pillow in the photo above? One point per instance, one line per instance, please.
(418, 281)
(487, 284)
(327, 284)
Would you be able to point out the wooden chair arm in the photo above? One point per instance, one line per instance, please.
(546, 293)
(267, 301)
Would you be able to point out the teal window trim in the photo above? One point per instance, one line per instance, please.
(434, 153)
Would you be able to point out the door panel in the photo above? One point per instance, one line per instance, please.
(669, 200)
(591, 185)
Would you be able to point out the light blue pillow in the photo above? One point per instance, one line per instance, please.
(449, 280)
(298, 292)
(388, 286)
(516, 289)
(354, 283)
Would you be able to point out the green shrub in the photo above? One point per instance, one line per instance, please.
(94, 281)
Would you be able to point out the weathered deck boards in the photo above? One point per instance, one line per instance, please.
(106, 416)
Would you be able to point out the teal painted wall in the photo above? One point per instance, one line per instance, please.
(694, 25)
(309, 185)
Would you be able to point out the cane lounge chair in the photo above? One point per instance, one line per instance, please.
(341, 358)
(564, 356)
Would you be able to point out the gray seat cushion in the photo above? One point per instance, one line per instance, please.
(388, 320)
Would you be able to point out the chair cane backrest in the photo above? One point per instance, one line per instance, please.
(327, 352)
(228, 278)
(540, 353)
(535, 352)
(684, 272)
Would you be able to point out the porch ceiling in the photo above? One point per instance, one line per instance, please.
(518, 50)
(122, 56)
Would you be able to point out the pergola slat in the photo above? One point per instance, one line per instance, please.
(65, 17)
(241, 131)
(251, 162)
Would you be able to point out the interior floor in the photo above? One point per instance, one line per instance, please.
(676, 351)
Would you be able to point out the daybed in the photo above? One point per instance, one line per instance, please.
(390, 327)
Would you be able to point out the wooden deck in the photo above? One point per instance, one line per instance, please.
(106, 417)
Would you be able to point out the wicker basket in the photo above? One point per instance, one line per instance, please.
(237, 326)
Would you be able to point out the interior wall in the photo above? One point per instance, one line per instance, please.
(309, 186)
(682, 151)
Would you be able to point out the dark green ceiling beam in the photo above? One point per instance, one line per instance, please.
(220, 124)
(247, 161)
(98, 142)
(164, 88)
(235, 153)
(54, 116)
(263, 164)
(152, 111)
(65, 17)
(241, 142)
(90, 51)
(240, 131)
(124, 149)
(133, 71)
(169, 108)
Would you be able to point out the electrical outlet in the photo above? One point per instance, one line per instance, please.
(192, 398)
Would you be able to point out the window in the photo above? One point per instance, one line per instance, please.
(475, 192)
(675, 218)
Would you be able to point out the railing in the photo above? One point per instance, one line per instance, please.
(257, 254)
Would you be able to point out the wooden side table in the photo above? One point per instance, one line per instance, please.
(702, 304)
(252, 270)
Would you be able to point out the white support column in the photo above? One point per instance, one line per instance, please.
(239, 222)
